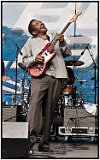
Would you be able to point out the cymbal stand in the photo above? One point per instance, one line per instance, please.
(76, 89)
(76, 80)
(81, 82)
(23, 104)
(81, 102)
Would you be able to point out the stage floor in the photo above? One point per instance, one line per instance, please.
(68, 150)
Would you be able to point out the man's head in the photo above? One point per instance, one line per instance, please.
(36, 27)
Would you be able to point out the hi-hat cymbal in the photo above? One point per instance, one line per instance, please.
(74, 63)
(81, 80)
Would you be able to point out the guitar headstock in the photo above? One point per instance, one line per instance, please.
(74, 18)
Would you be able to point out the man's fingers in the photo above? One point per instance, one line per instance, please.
(39, 58)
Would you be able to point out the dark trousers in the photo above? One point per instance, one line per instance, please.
(45, 93)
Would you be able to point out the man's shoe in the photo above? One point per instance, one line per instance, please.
(44, 149)
(31, 151)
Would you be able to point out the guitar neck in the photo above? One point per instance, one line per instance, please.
(64, 29)
(54, 41)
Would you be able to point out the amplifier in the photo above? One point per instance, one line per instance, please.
(78, 121)
(78, 117)
(12, 113)
(9, 113)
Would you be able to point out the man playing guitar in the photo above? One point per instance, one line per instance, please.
(46, 88)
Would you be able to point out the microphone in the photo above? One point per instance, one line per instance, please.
(85, 49)
(18, 49)
(22, 66)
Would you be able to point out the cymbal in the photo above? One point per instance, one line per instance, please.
(81, 80)
(74, 63)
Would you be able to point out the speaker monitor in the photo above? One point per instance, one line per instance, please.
(15, 140)
(78, 121)
(78, 116)
(9, 113)
(12, 113)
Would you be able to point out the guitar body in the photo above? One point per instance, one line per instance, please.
(38, 69)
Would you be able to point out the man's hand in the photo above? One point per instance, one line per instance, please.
(5, 78)
(39, 58)
(60, 37)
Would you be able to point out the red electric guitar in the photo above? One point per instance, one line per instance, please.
(48, 52)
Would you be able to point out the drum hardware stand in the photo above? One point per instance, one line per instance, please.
(12, 99)
(59, 108)
(76, 89)
(29, 93)
(81, 102)
(23, 105)
(22, 90)
(59, 112)
(81, 82)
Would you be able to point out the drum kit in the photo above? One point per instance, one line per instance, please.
(70, 93)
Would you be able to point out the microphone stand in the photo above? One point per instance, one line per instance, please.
(16, 60)
(95, 67)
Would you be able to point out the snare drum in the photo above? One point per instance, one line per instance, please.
(68, 89)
